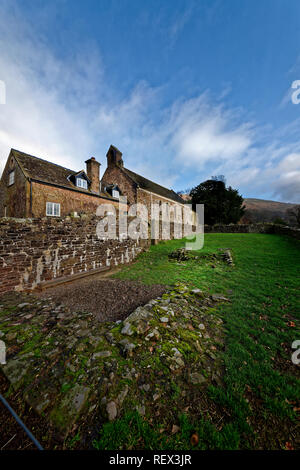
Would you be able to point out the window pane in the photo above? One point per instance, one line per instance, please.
(49, 208)
(81, 183)
(53, 208)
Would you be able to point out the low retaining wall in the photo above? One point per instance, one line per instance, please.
(254, 228)
(36, 250)
(33, 251)
(284, 230)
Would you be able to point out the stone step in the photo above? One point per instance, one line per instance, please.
(64, 280)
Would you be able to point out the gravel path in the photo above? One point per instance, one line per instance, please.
(108, 299)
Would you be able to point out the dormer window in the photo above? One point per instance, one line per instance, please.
(11, 178)
(113, 190)
(81, 183)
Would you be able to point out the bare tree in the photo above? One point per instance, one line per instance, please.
(184, 191)
(294, 215)
(219, 178)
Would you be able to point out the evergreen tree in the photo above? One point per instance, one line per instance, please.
(221, 205)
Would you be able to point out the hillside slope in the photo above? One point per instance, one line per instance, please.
(260, 210)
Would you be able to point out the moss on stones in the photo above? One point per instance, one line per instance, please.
(70, 365)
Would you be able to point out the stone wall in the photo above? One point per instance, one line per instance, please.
(284, 230)
(254, 228)
(70, 201)
(27, 198)
(114, 175)
(148, 199)
(37, 250)
(14, 199)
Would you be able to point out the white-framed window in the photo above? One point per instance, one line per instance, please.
(11, 178)
(115, 194)
(53, 209)
(81, 183)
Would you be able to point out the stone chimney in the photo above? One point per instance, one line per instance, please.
(93, 173)
(114, 157)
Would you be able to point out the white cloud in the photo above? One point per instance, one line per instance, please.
(65, 111)
(208, 139)
(180, 22)
(287, 178)
(204, 132)
(290, 163)
(42, 114)
(62, 109)
(264, 174)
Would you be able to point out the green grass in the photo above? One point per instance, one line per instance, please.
(261, 387)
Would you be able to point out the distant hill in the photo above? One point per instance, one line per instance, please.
(185, 197)
(260, 210)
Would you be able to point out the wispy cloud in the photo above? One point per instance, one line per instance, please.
(46, 98)
(287, 98)
(179, 23)
(65, 110)
(204, 132)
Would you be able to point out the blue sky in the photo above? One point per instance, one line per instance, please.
(185, 89)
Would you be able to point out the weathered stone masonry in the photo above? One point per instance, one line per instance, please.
(254, 228)
(37, 181)
(37, 250)
(70, 201)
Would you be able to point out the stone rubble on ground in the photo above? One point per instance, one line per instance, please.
(111, 409)
(70, 367)
(164, 319)
(127, 329)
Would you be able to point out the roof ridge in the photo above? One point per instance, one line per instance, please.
(153, 183)
(43, 160)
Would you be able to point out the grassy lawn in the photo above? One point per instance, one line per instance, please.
(258, 402)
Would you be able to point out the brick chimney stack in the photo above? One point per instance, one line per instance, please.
(114, 156)
(93, 173)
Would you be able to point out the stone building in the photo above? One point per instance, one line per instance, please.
(135, 187)
(33, 187)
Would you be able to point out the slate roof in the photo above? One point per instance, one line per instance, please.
(48, 172)
(149, 185)
(38, 169)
